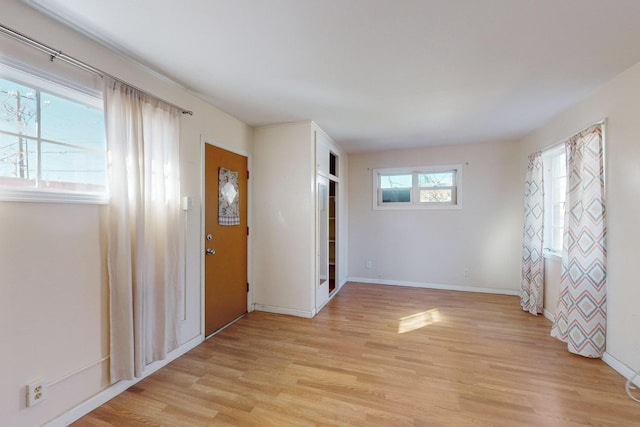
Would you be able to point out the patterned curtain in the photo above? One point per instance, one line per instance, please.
(532, 286)
(581, 317)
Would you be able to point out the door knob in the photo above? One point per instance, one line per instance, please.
(210, 251)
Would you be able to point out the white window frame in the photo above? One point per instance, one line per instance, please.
(551, 199)
(414, 203)
(60, 87)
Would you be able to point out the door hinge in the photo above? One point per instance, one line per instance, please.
(247, 286)
(247, 174)
(247, 231)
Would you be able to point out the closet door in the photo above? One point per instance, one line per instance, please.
(333, 234)
(322, 241)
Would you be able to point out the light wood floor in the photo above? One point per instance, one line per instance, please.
(381, 356)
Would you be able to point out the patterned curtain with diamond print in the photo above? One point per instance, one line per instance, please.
(581, 317)
(532, 285)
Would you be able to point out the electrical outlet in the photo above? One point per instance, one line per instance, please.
(369, 264)
(36, 392)
(465, 272)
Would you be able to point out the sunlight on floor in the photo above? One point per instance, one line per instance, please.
(418, 320)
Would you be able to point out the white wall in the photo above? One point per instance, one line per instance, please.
(283, 179)
(53, 305)
(618, 102)
(53, 295)
(433, 247)
(284, 227)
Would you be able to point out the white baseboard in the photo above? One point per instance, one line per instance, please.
(620, 368)
(331, 296)
(112, 391)
(109, 393)
(283, 310)
(461, 288)
(321, 306)
(549, 315)
(607, 358)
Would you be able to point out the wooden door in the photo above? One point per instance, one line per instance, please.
(225, 245)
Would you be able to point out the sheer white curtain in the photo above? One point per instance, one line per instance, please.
(581, 317)
(144, 233)
(532, 286)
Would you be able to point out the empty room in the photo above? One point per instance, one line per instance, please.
(319, 212)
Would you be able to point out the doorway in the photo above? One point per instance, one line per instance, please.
(225, 238)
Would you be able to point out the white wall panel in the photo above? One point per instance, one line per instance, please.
(437, 246)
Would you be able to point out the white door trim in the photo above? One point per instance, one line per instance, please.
(250, 295)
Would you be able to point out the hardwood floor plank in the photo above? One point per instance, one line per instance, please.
(381, 356)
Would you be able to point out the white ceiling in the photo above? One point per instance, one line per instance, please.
(376, 74)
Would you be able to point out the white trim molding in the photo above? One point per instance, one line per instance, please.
(414, 200)
(620, 368)
(513, 292)
(549, 315)
(284, 310)
(205, 140)
(112, 391)
(608, 359)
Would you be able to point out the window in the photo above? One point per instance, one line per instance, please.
(427, 187)
(555, 189)
(333, 163)
(52, 141)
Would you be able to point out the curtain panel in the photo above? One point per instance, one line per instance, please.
(581, 316)
(144, 256)
(532, 285)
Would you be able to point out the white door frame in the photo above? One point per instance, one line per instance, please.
(250, 295)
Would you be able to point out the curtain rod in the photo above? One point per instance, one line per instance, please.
(58, 54)
(555, 144)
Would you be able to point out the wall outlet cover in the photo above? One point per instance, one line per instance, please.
(36, 392)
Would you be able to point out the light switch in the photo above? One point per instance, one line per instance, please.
(187, 203)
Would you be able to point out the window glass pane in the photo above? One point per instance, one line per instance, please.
(63, 165)
(18, 159)
(436, 196)
(417, 187)
(74, 158)
(556, 244)
(396, 196)
(436, 179)
(396, 181)
(18, 108)
(560, 165)
(558, 189)
(558, 215)
(554, 198)
(72, 122)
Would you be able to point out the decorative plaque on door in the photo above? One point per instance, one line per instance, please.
(228, 209)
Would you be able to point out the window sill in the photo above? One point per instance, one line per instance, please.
(552, 255)
(39, 196)
(415, 206)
